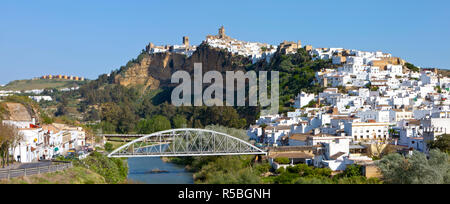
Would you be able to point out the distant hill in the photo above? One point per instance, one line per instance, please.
(444, 72)
(24, 85)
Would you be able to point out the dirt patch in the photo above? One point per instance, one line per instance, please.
(17, 112)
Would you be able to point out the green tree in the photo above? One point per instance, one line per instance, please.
(442, 143)
(416, 169)
(179, 121)
(352, 171)
(412, 67)
(46, 119)
(282, 160)
(112, 169)
(107, 127)
(109, 147)
(154, 124)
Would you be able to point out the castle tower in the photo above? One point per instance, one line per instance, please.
(186, 41)
(149, 47)
(222, 32)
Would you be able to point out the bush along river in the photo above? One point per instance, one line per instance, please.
(153, 170)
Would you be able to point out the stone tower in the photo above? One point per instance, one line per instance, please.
(149, 47)
(222, 32)
(186, 41)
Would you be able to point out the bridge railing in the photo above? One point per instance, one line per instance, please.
(186, 142)
(14, 173)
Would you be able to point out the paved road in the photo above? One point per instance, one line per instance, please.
(29, 169)
(28, 165)
(35, 164)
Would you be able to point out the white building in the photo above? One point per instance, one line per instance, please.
(368, 131)
(375, 115)
(41, 98)
(303, 99)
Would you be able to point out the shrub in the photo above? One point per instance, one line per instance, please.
(416, 169)
(114, 170)
(286, 178)
(282, 160)
(352, 171)
(109, 147)
(262, 168)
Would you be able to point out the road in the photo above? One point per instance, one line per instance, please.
(28, 165)
(35, 164)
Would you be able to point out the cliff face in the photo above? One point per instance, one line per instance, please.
(155, 70)
(16, 112)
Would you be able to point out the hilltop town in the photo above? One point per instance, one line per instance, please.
(373, 103)
(357, 107)
(256, 51)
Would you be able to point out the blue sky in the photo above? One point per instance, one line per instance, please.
(89, 38)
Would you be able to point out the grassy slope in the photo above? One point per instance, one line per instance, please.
(20, 85)
(75, 175)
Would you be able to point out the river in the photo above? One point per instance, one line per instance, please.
(140, 172)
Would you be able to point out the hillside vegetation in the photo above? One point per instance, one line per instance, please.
(24, 85)
(75, 175)
(133, 108)
(95, 169)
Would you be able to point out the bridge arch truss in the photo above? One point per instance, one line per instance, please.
(186, 142)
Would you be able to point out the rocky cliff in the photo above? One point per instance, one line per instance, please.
(16, 112)
(155, 70)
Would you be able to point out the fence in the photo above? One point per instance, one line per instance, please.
(13, 173)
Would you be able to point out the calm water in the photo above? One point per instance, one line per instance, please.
(139, 169)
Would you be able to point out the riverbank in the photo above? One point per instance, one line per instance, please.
(114, 170)
(95, 169)
(75, 175)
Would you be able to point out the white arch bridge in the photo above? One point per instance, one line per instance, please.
(186, 142)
